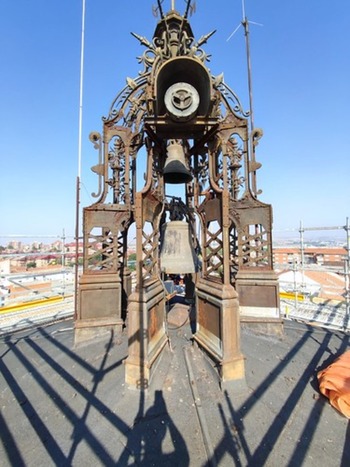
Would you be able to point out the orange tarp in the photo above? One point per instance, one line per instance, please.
(334, 383)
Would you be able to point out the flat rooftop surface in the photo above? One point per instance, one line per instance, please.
(66, 405)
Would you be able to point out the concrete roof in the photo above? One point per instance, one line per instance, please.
(66, 405)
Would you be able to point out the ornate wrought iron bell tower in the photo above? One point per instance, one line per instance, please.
(194, 131)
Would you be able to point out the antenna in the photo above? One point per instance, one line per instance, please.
(245, 24)
(243, 8)
(190, 7)
(158, 9)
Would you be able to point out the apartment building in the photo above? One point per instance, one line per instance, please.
(320, 256)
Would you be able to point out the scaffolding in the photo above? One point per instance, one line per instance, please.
(299, 306)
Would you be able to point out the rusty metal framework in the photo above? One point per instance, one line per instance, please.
(175, 98)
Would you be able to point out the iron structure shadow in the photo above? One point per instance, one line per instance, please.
(68, 405)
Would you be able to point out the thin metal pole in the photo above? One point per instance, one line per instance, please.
(76, 272)
(295, 284)
(245, 24)
(243, 9)
(81, 87)
(63, 262)
(77, 217)
(302, 256)
(347, 274)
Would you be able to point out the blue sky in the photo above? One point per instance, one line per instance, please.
(301, 81)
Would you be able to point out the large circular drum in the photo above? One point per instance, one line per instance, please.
(182, 101)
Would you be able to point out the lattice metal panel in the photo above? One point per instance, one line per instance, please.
(100, 250)
(149, 252)
(213, 250)
(254, 247)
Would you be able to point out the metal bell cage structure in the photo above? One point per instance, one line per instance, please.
(194, 131)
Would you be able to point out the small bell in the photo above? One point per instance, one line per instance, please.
(177, 254)
(175, 168)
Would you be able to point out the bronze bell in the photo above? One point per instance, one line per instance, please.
(177, 255)
(175, 168)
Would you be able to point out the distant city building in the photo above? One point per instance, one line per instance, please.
(312, 255)
(57, 245)
(14, 245)
(71, 247)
